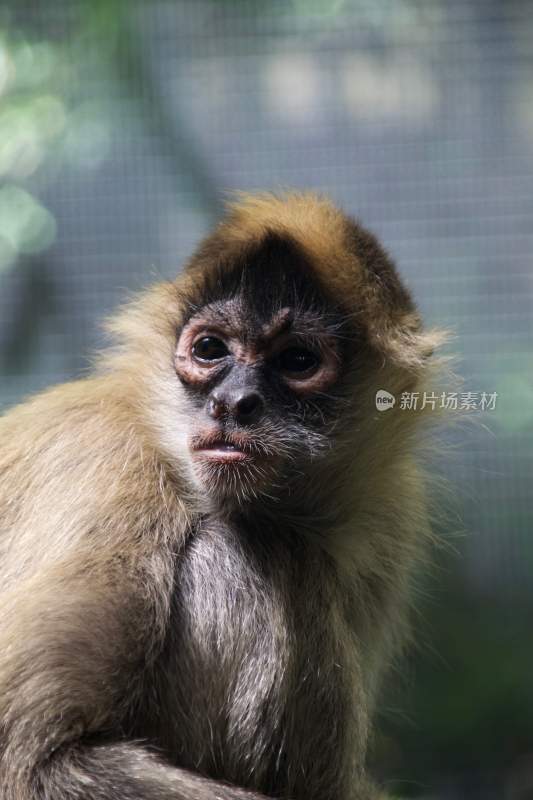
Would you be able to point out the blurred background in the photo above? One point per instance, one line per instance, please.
(123, 125)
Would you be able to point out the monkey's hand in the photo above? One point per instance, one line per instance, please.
(71, 651)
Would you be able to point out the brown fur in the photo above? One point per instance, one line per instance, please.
(148, 647)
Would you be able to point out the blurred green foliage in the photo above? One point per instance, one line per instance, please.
(462, 702)
(43, 121)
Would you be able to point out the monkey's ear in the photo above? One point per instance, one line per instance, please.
(384, 305)
(402, 342)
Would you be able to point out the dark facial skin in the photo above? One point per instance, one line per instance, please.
(261, 384)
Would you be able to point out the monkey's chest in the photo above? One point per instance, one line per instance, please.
(253, 670)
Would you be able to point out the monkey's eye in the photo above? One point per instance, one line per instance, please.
(209, 348)
(297, 361)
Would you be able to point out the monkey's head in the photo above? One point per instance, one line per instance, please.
(259, 358)
(286, 320)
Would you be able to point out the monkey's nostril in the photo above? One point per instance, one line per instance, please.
(215, 407)
(249, 406)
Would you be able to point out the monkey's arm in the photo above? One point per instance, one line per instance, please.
(71, 658)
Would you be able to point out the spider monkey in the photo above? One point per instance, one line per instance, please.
(206, 545)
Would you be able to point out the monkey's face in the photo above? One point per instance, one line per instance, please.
(258, 389)
(261, 369)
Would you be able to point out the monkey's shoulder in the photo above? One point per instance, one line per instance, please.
(67, 411)
(73, 464)
(69, 433)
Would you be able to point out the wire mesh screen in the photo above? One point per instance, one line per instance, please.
(123, 127)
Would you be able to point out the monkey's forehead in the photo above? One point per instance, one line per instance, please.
(238, 317)
(298, 244)
(260, 280)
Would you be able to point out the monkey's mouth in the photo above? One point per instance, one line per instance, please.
(233, 464)
(221, 449)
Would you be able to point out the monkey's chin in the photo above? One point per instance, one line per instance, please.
(232, 477)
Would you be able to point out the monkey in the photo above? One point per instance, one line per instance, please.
(207, 544)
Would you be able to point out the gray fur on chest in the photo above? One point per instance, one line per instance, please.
(255, 680)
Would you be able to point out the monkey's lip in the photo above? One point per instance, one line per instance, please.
(220, 449)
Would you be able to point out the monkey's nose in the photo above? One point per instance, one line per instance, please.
(248, 406)
(245, 406)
